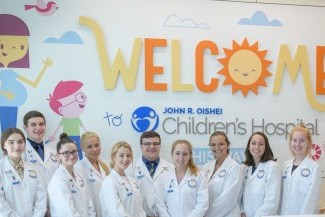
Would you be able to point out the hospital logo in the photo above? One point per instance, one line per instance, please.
(144, 119)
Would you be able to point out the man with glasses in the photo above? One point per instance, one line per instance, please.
(37, 153)
(149, 169)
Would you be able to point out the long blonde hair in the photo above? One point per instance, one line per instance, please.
(191, 165)
(116, 147)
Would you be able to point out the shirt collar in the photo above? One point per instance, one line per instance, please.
(36, 144)
(146, 161)
(20, 164)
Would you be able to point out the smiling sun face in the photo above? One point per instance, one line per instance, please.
(245, 67)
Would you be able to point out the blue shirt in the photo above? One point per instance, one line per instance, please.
(39, 147)
(148, 164)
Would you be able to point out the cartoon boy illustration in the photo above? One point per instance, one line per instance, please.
(14, 53)
(69, 102)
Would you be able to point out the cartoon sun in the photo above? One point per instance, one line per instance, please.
(245, 67)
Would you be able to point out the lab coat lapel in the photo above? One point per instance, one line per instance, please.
(12, 173)
(302, 169)
(92, 168)
(32, 153)
(160, 168)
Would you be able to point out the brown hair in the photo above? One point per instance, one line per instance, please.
(64, 139)
(7, 133)
(32, 114)
(268, 154)
(192, 166)
(116, 147)
(219, 133)
(149, 134)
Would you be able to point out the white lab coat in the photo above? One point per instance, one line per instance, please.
(189, 198)
(148, 185)
(21, 198)
(46, 168)
(70, 197)
(224, 188)
(120, 197)
(261, 192)
(301, 189)
(94, 181)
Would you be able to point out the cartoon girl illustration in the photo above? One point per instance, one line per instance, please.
(69, 102)
(14, 53)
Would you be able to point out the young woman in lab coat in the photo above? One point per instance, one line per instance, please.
(22, 191)
(301, 176)
(262, 178)
(93, 169)
(68, 189)
(184, 190)
(119, 194)
(225, 179)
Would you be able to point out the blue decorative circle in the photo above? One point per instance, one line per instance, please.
(144, 119)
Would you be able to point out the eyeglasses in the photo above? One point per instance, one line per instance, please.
(147, 144)
(79, 97)
(67, 154)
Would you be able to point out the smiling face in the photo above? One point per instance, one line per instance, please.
(257, 147)
(73, 105)
(15, 146)
(245, 67)
(12, 48)
(122, 159)
(299, 144)
(71, 159)
(181, 155)
(219, 147)
(150, 148)
(35, 129)
(92, 148)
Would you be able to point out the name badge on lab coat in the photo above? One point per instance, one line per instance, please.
(192, 183)
(31, 157)
(305, 172)
(53, 158)
(260, 174)
(15, 181)
(171, 186)
(222, 173)
(32, 174)
(72, 187)
(140, 175)
(91, 177)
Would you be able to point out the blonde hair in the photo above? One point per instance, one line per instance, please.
(88, 135)
(301, 128)
(116, 147)
(192, 166)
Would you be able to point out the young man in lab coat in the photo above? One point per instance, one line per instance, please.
(37, 153)
(148, 169)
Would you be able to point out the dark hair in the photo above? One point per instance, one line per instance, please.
(33, 114)
(268, 154)
(149, 134)
(64, 139)
(7, 133)
(219, 133)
